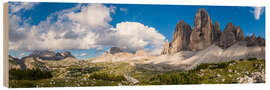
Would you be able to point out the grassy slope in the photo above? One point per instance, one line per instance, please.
(112, 74)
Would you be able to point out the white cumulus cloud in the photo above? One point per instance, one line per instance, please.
(83, 54)
(83, 27)
(134, 36)
(18, 6)
(258, 11)
(94, 15)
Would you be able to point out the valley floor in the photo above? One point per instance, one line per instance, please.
(116, 74)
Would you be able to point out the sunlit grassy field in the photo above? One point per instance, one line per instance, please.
(113, 74)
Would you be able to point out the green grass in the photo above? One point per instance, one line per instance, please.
(112, 74)
(107, 76)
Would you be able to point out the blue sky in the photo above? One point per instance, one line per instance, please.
(162, 18)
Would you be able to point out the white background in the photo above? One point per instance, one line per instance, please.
(265, 3)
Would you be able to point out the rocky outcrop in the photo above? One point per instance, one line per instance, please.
(260, 41)
(28, 62)
(165, 48)
(232, 35)
(131, 79)
(255, 41)
(50, 55)
(115, 54)
(239, 34)
(251, 41)
(181, 38)
(142, 53)
(114, 50)
(254, 77)
(66, 54)
(202, 33)
(32, 63)
(13, 63)
(217, 32)
(227, 37)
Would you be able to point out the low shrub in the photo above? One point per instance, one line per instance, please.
(213, 66)
(21, 84)
(106, 76)
(252, 59)
(177, 78)
(35, 74)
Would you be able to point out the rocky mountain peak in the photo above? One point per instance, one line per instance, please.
(217, 32)
(229, 27)
(66, 54)
(217, 26)
(13, 63)
(50, 55)
(253, 37)
(181, 37)
(239, 34)
(202, 33)
(142, 53)
(202, 19)
(114, 50)
(227, 37)
(166, 48)
(231, 35)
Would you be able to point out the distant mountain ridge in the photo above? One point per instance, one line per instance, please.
(51, 55)
(204, 34)
(37, 58)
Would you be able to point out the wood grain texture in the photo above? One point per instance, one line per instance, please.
(5, 46)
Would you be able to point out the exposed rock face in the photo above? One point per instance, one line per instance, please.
(32, 63)
(131, 79)
(239, 34)
(13, 63)
(50, 55)
(260, 41)
(255, 77)
(115, 54)
(28, 62)
(166, 48)
(217, 32)
(202, 33)
(253, 41)
(181, 38)
(142, 53)
(114, 50)
(232, 35)
(227, 38)
(66, 54)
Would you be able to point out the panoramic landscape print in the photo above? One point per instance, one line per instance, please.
(94, 44)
